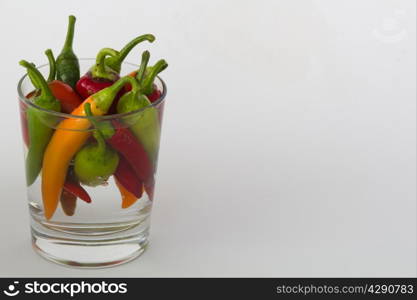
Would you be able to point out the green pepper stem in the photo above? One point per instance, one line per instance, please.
(105, 97)
(70, 34)
(33, 79)
(147, 86)
(52, 65)
(100, 68)
(126, 49)
(40, 80)
(144, 63)
(97, 133)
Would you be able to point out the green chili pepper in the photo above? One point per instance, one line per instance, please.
(40, 124)
(68, 68)
(150, 74)
(145, 124)
(52, 72)
(115, 62)
(95, 162)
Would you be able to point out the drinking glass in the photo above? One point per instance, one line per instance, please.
(100, 233)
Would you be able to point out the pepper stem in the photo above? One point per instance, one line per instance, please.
(97, 133)
(70, 34)
(52, 65)
(105, 97)
(40, 81)
(100, 70)
(116, 62)
(144, 63)
(147, 86)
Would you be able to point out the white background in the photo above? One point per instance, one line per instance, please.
(289, 141)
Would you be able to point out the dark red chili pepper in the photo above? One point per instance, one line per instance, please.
(126, 144)
(127, 177)
(72, 186)
(106, 70)
(149, 188)
(70, 192)
(155, 95)
(99, 77)
(76, 189)
(68, 203)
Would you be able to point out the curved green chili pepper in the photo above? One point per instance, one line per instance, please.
(150, 75)
(68, 68)
(115, 62)
(39, 123)
(144, 125)
(52, 72)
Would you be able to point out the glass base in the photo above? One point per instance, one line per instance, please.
(93, 248)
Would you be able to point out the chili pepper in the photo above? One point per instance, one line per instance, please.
(69, 137)
(95, 162)
(68, 203)
(62, 91)
(150, 188)
(115, 62)
(145, 124)
(107, 69)
(148, 87)
(127, 145)
(66, 95)
(127, 177)
(99, 76)
(77, 190)
(39, 127)
(68, 68)
(73, 186)
(128, 198)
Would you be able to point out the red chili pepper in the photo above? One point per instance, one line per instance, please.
(66, 95)
(127, 177)
(77, 190)
(126, 144)
(99, 77)
(106, 70)
(72, 186)
(150, 188)
(68, 203)
(155, 95)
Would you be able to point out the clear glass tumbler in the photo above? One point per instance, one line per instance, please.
(111, 229)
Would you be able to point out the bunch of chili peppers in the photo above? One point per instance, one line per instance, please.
(80, 151)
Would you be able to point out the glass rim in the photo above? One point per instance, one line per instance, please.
(25, 100)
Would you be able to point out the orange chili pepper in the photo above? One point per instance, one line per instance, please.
(128, 198)
(68, 138)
